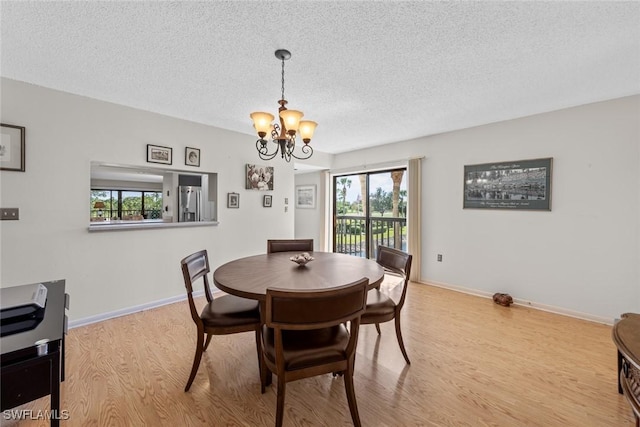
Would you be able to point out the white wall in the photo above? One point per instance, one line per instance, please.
(583, 256)
(110, 271)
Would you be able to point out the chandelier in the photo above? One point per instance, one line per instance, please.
(284, 134)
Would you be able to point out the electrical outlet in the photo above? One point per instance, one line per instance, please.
(439, 257)
(9, 213)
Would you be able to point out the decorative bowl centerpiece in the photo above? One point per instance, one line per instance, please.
(301, 259)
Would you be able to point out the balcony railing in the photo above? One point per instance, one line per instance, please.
(127, 214)
(351, 234)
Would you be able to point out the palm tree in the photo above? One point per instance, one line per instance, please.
(396, 176)
(363, 191)
(402, 205)
(345, 183)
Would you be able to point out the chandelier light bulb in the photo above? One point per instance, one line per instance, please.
(291, 120)
(306, 129)
(262, 122)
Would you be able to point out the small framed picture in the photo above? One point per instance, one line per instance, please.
(158, 154)
(12, 148)
(192, 157)
(233, 200)
(259, 177)
(305, 197)
(266, 201)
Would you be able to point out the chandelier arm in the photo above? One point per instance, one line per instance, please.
(286, 150)
(263, 157)
(306, 149)
(275, 131)
(263, 151)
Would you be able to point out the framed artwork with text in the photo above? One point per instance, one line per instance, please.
(517, 185)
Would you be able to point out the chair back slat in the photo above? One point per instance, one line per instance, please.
(194, 267)
(394, 260)
(397, 262)
(301, 245)
(314, 309)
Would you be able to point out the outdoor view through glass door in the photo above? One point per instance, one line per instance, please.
(369, 209)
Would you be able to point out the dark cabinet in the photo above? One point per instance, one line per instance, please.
(32, 362)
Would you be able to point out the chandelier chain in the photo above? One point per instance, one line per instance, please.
(282, 78)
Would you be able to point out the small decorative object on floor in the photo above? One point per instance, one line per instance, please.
(503, 299)
(301, 259)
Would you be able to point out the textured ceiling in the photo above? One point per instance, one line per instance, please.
(369, 73)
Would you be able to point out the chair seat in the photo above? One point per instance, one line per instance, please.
(302, 349)
(378, 304)
(230, 310)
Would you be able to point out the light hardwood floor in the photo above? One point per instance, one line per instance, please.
(474, 363)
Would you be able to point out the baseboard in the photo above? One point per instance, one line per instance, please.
(525, 303)
(130, 310)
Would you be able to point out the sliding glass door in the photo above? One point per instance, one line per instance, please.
(369, 209)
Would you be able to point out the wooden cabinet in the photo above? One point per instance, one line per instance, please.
(32, 362)
(626, 336)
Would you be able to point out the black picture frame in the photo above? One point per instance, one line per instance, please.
(12, 148)
(192, 156)
(267, 201)
(159, 154)
(233, 200)
(514, 185)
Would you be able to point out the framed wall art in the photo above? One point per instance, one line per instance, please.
(159, 154)
(259, 177)
(192, 156)
(305, 196)
(12, 151)
(233, 200)
(519, 185)
(266, 201)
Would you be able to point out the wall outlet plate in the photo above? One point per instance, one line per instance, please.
(9, 213)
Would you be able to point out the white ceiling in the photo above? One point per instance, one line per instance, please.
(369, 73)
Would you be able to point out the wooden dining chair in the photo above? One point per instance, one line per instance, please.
(221, 316)
(300, 245)
(305, 335)
(380, 306)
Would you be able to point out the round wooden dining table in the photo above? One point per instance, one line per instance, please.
(251, 276)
